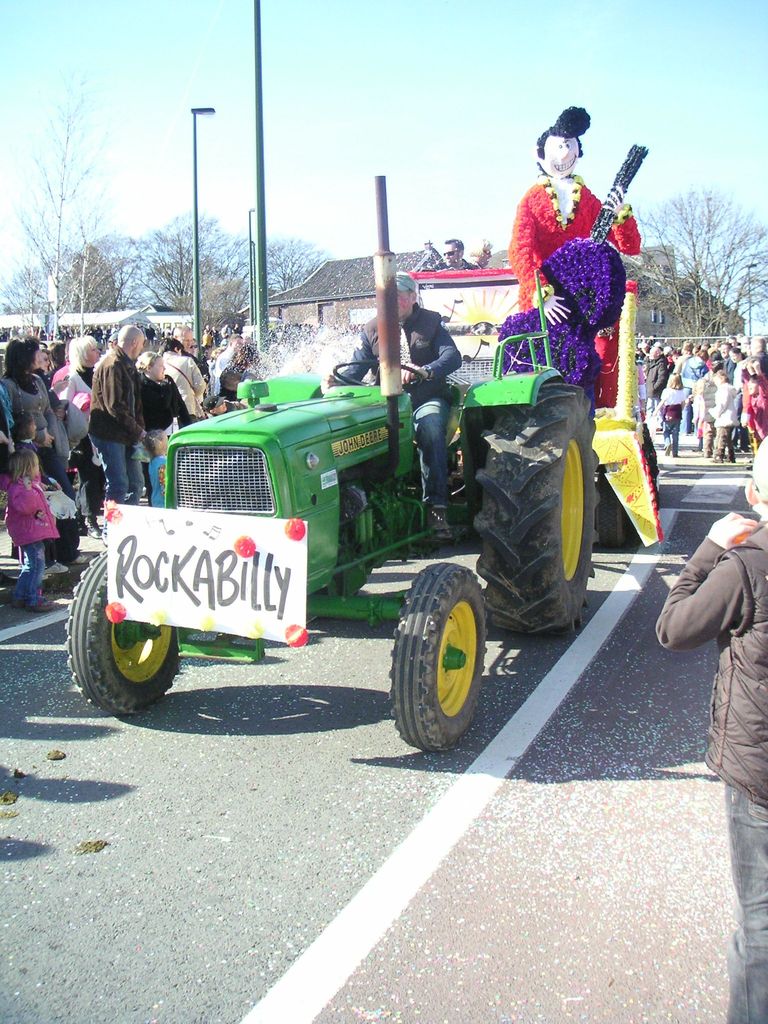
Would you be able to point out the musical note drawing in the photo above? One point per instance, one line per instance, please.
(212, 533)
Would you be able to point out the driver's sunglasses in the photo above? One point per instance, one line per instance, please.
(451, 252)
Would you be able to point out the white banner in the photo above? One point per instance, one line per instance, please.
(209, 571)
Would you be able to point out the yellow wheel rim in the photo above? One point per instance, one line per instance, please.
(572, 510)
(459, 635)
(143, 660)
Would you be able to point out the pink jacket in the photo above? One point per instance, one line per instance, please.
(21, 516)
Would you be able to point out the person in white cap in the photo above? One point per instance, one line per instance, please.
(722, 595)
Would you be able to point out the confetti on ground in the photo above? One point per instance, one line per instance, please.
(9, 814)
(8, 797)
(55, 755)
(91, 846)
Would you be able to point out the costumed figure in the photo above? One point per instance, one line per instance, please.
(558, 209)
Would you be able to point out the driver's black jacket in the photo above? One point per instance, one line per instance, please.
(430, 346)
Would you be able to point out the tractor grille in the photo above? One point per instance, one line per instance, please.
(223, 480)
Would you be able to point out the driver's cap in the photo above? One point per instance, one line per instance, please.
(405, 282)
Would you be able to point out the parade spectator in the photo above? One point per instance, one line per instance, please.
(184, 372)
(480, 253)
(24, 362)
(161, 400)
(671, 404)
(722, 594)
(156, 443)
(703, 402)
(231, 365)
(189, 347)
(84, 354)
(30, 523)
(691, 369)
(433, 355)
(757, 351)
(657, 371)
(724, 413)
(117, 422)
(755, 399)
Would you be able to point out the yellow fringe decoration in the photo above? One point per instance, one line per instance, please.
(626, 395)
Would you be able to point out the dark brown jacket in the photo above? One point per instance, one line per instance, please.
(116, 413)
(723, 595)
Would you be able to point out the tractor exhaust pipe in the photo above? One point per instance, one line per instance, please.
(388, 323)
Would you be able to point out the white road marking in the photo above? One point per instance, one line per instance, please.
(714, 490)
(38, 622)
(325, 966)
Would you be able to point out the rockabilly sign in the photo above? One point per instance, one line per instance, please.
(213, 572)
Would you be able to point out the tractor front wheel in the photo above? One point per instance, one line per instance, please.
(120, 668)
(537, 519)
(438, 657)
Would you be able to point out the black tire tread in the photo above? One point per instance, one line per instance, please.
(415, 705)
(90, 657)
(519, 521)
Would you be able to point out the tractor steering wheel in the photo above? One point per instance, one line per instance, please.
(370, 364)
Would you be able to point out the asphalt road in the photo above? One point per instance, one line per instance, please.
(268, 818)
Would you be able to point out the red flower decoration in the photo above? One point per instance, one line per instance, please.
(112, 513)
(295, 529)
(245, 547)
(296, 636)
(115, 612)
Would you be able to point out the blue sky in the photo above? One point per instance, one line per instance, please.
(446, 98)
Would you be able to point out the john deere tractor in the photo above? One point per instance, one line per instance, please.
(523, 479)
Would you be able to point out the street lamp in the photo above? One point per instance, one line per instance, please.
(195, 243)
(750, 268)
(252, 271)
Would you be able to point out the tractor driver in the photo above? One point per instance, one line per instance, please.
(430, 350)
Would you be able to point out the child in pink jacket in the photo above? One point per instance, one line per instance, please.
(30, 522)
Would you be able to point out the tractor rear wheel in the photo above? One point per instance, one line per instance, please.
(538, 513)
(437, 660)
(120, 668)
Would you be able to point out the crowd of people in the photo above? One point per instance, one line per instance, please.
(717, 394)
(76, 413)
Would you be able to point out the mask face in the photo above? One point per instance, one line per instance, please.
(560, 156)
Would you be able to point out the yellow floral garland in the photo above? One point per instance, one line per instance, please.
(626, 395)
(551, 191)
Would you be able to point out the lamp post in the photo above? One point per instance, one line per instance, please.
(195, 242)
(251, 270)
(260, 234)
(750, 268)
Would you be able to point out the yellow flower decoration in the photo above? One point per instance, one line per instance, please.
(208, 624)
(256, 632)
(551, 191)
(158, 618)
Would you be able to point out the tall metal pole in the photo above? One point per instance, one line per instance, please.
(251, 273)
(195, 239)
(260, 235)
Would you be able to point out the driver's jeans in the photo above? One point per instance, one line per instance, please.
(430, 422)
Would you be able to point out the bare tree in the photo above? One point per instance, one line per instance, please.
(62, 204)
(26, 292)
(103, 275)
(701, 252)
(290, 261)
(166, 268)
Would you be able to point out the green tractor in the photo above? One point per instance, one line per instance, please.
(522, 473)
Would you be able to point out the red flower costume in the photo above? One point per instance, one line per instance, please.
(538, 233)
